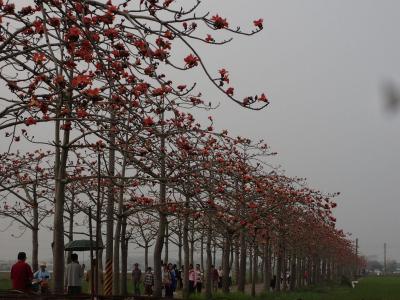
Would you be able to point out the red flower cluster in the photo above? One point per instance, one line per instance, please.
(30, 121)
(81, 81)
(259, 23)
(224, 75)
(39, 57)
(191, 61)
(209, 39)
(111, 33)
(161, 91)
(229, 91)
(263, 98)
(148, 121)
(219, 22)
(73, 34)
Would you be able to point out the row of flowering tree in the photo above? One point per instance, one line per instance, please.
(89, 94)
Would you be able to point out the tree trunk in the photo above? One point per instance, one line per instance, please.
(237, 265)
(116, 263)
(71, 224)
(108, 280)
(215, 253)
(225, 266)
(208, 283)
(124, 258)
(166, 244)
(180, 245)
(58, 233)
(158, 247)
(293, 273)
(146, 255)
(35, 236)
(202, 250)
(279, 269)
(185, 279)
(254, 272)
(242, 269)
(192, 249)
(250, 264)
(116, 258)
(267, 267)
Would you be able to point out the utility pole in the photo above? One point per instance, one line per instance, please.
(384, 259)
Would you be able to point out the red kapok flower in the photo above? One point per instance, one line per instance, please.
(30, 121)
(81, 81)
(92, 92)
(259, 23)
(167, 2)
(229, 91)
(73, 33)
(81, 113)
(191, 61)
(111, 33)
(263, 98)
(219, 22)
(39, 57)
(66, 126)
(148, 121)
(209, 39)
(224, 75)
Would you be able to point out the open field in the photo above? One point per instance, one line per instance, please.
(370, 288)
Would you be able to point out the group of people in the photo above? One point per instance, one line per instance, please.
(24, 280)
(171, 277)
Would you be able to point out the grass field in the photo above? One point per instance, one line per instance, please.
(369, 288)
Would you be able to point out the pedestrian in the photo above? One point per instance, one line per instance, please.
(42, 278)
(21, 274)
(148, 282)
(74, 275)
(136, 278)
(199, 279)
(167, 282)
(179, 274)
(174, 280)
(215, 278)
(220, 272)
(192, 279)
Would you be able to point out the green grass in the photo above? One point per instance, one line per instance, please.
(370, 288)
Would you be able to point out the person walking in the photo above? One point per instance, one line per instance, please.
(167, 282)
(215, 278)
(21, 274)
(148, 282)
(179, 274)
(220, 273)
(136, 278)
(174, 280)
(199, 279)
(74, 275)
(192, 279)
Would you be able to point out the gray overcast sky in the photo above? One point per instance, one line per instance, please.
(323, 64)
